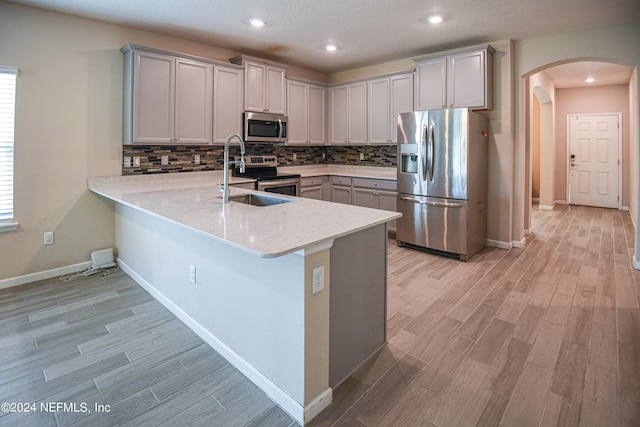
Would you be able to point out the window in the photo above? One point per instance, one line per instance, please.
(7, 122)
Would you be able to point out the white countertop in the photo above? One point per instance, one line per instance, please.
(373, 172)
(192, 200)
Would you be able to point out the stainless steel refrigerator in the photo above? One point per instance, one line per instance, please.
(442, 180)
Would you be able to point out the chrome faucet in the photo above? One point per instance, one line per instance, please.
(225, 188)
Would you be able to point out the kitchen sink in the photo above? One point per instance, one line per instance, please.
(258, 200)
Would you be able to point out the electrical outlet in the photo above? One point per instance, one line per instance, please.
(48, 238)
(136, 161)
(127, 161)
(196, 159)
(317, 279)
(295, 156)
(192, 274)
(164, 160)
(361, 156)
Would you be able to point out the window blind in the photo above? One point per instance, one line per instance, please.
(7, 124)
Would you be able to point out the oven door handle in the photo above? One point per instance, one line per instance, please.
(278, 182)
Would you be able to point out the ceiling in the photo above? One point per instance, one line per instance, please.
(575, 74)
(366, 32)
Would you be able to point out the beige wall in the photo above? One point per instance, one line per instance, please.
(598, 99)
(69, 128)
(542, 89)
(535, 149)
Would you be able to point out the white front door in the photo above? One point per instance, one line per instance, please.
(594, 160)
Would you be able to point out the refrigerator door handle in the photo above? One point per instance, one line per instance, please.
(423, 148)
(432, 148)
(435, 204)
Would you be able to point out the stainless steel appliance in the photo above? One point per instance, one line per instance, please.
(264, 169)
(264, 127)
(442, 180)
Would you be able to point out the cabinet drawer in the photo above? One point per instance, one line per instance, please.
(376, 184)
(311, 181)
(341, 180)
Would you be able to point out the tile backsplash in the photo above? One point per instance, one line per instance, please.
(181, 158)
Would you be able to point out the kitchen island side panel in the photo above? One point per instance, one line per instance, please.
(253, 305)
(358, 300)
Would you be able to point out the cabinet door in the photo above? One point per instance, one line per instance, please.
(254, 90)
(227, 102)
(431, 83)
(338, 99)
(364, 197)
(316, 114)
(388, 200)
(153, 98)
(379, 104)
(341, 194)
(275, 90)
(193, 118)
(401, 101)
(297, 112)
(357, 117)
(312, 192)
(466, 76)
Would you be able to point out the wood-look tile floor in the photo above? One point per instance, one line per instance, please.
(541, 336)
(545, 335)
(106, 341)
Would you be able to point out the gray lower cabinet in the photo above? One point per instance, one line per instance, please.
(341, 189)
(366, 192)
(312, 187)
(375, 193)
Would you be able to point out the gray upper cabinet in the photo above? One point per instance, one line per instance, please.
(167, 99)
(264, 85)
(227, 102)
(457, 79)
(387, 96)
(306, 110)
(348, 113)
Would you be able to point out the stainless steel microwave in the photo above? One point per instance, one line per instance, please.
(264, 127)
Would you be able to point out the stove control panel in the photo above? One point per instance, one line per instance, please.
(259, 161)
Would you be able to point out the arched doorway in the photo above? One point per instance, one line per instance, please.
(543, 86)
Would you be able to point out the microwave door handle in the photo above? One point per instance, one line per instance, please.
(432, 141)
(279, 128)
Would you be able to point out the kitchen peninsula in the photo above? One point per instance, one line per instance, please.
(293, 294)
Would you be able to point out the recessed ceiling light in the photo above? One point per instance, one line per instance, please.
(331, 47)
(257, 22)
(435, 19)
(590, 79)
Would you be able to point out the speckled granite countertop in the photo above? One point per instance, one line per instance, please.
(192, 201)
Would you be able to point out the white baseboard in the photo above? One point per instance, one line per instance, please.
(498, 244)
(545, 207)
(519, 244)
(42, 275)
(286, 402)
(506, 245)
(316, 406)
